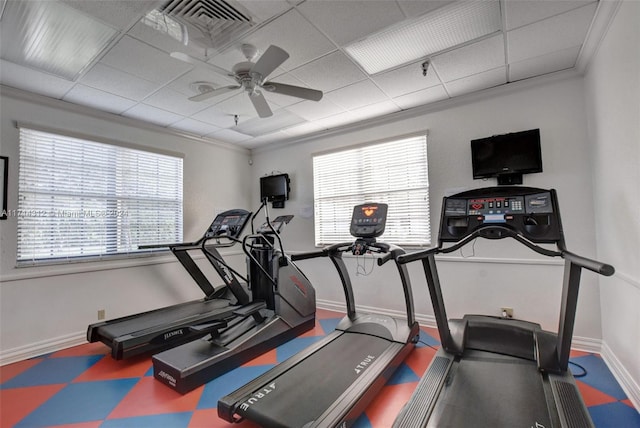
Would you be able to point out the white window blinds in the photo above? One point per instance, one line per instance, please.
(80, 198)
(394, 173)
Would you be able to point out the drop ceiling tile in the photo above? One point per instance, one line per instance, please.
(175, 102)
(86, 96)
(330, 72)
(424, 96)
(314, 110)
(27, 79)
(120, 13)
(544, 64)
(195, 127)
(413, 8)
(265, 9)
(357, 95)
(524, 12)
(406, 79)
(141, 60)
(471, 59)
(302, 41)
(263, 140)
(346, 21)
(230, 136)
(477, 82)
(280, 120)
(118, 82)
(375, 110)
(559, 32)
(152, 114)
(214, 116)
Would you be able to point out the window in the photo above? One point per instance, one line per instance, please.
(84, 199)
(394, 172)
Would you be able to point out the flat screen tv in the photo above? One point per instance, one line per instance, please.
(275, 188)
(507, 156)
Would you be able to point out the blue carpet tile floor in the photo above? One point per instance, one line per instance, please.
(83, 387)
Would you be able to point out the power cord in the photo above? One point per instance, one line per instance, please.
(584, 371)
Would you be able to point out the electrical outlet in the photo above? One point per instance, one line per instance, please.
(506, 312)
(101, 314)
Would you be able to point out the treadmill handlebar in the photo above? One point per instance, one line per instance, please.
(592, 265)
(418, 255)
(309, 255)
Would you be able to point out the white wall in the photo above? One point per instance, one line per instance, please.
(612, 86)
(52, 305)
(500, 274)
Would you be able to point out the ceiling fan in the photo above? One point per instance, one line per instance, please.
(251, 76)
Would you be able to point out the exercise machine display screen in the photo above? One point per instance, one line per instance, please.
(528, 211)
(368, 220)
(228, 224)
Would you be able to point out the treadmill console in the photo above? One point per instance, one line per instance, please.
(368, 220)
(228, 224)
(530, 212)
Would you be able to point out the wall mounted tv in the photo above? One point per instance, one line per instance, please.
(507, 156)
(275, 188)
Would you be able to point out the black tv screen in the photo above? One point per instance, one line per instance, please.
(516, 153)
(274, 187)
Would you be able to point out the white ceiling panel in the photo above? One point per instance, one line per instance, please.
(555, 61)
(86, 96)
(119, 13)
(141, 60)
(195, 127)
(477, 82)
(424, 96)
(560, 32)
(314, 110)
(357, 95)
(420, 7)
(152, 114)
(346, 21)
(524, 12)
(472, 59)
(330, 72)
(295, 35)
(118, 82)
(20, 77)
(137, 77)
(175, 102)
(404, 80)
(229, 135)
(374, 110)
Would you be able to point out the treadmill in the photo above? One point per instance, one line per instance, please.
(160, 329)
(331, 382)
(498, 371)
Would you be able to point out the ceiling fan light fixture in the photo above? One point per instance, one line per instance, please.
(411, 40)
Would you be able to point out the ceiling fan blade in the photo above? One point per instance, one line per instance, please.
(214, 93)
(269, 61)
(294, 91)
(226, 75)
(260, 104)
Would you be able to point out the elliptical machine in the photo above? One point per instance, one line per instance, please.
(282, 306)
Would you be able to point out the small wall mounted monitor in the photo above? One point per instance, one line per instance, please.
(275, 188)
(507, 156)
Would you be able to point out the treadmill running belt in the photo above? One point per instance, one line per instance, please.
(510, 390)
(303, 393)
(161, 317)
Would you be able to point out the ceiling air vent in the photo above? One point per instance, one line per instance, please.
(218, 21)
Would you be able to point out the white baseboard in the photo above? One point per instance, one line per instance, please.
(624, 378)
(41, 348)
